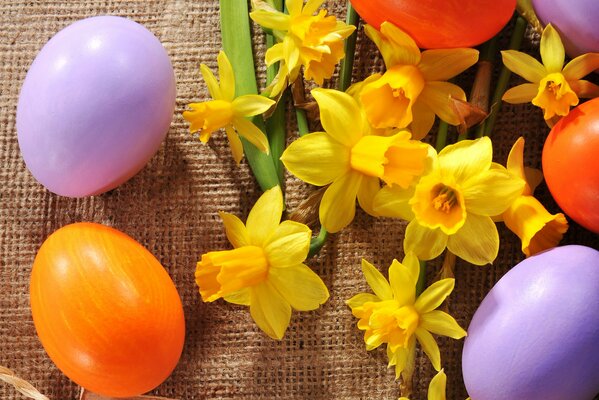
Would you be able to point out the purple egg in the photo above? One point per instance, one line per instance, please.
(576, 21)
(535, 336)
(95, 105)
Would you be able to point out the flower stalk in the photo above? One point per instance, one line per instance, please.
(347, 64)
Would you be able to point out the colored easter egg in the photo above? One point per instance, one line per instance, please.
(571, 164)
(95, 106)
(535, 334)
(576, 21)
(440, 24)
(105, 310)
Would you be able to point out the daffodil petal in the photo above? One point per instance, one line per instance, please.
(423, 119)
(393, 201)
(338, 205)
(265, 216)
(377, 282)
(369, 187)
(270, 310)
(234, 143)
(294, 7)
(271, 20)
(436, 95)
(466, 158)
(524, 65)
(211, 82)
(252, 133)
(403, 48)
(301, 287)
(317, 159)
(533, 177)
(477, 241)
(434, 295)
(521, 94)
(274, 54)
(411, 262)
(424, 242)
(443, 64)
(552, 50)
(235, 230)
(251, 104)
(241, 297)
(400, 280)
(312, 6)
(515, 159)
(491, 192)
(585, 89)
(437, 387)
(340, 115)
(429, 346)
(288, 245)
(581, 66)
(227, 77)
(441, 323)
(361, 298)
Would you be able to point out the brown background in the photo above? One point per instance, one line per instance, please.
(171, 208)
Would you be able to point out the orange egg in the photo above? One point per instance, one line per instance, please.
(105, 310)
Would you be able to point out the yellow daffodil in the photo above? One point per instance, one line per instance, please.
(227, 111)
(265, 270)
(312, 41)
(527, 217)
(554, 88)
(437, 387)
(395, 316)
(413, 89)
(349, 158)
(452, 206)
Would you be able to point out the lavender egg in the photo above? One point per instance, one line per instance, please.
(535, 336)
(95, 106)
(576, 21)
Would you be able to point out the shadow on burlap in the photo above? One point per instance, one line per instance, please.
(171, 208)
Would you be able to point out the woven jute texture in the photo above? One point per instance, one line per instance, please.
(171, 208)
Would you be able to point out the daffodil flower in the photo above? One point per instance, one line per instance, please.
(349, 158)
(527, 217)
(413, 89)
(554, 88)
(437, 387)
(451, 207)
(265, 270)
(314, 42)
(227, 111)
(395, 316)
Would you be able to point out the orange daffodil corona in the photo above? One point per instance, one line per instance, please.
(351, 160)
(314, 42)
(413, 89)
(554, 87)
(526, 216)
(395, 316)
(265, 270)
(227, 111)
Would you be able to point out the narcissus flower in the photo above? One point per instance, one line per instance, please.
(554, 88)
(312, 41)
(437, 387)
(227, 111)
(349, 158)
(395, 316)
(452, 206)
(265, 270)
(413, 89)
(527, 217)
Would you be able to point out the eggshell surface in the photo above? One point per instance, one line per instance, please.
(576, 20)
(535, 335)
(95, 106)
(105, 310)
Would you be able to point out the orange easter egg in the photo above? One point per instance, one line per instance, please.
(105, 310)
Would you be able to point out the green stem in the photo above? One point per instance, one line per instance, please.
(317, 242)
(441, 135)
(421, 283)
(237, 43)
(503, 80)
(347, 64)
(302, 122)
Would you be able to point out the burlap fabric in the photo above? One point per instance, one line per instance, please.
(171, 208)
